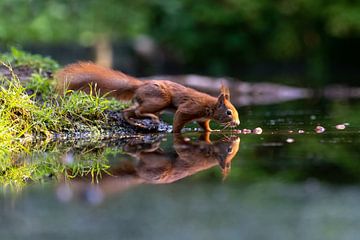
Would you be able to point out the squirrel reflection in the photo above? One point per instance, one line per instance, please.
(153, 165)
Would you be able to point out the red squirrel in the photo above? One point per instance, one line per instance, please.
(150, 97)
(153, 165)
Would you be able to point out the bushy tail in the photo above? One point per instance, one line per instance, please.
(85, 76)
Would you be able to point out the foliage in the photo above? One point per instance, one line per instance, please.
(234, 33)
(74, 21)
(17, 111)
(210, 37)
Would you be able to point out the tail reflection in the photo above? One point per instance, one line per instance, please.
(153, 165)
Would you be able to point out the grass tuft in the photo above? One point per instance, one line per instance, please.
(31, 110)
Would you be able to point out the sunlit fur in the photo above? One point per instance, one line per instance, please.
(223, 106)
(151, 97)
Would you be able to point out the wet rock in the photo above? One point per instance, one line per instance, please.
(246, 131)
(340, 126)
(341, 92)
(23, 73)
(116, 119)
(258, 130)
(319, 129)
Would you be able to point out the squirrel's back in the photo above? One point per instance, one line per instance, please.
(87, 75)
(151, 97)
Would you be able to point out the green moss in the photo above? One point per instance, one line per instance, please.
(41, 86)
(26, 117)
(44, 111)
(38, 63)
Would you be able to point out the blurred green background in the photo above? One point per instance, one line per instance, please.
(303, 42)
(277, 188)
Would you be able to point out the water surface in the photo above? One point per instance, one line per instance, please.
(295, 180)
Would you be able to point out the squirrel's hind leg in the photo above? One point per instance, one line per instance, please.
(150, 109)
(150, 100)
(145, 110)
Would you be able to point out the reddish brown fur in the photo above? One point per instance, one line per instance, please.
(150, 97)
(154, 165)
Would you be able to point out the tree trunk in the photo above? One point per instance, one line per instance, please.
(104, 51)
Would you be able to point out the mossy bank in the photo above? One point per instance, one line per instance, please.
(32, 111)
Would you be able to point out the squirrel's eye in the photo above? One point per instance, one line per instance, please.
(229, 150)
(229, 112)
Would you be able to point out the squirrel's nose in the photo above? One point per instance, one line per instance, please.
(235, 123)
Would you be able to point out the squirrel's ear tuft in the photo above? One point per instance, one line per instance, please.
(221, 99)
(225, 91)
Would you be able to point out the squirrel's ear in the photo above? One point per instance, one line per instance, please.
(225, 91)
(221, 99)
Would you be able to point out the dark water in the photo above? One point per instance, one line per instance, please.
(298, 179)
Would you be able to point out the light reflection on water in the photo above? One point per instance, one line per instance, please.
(281, 184)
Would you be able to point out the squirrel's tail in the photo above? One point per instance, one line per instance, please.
(86, 76)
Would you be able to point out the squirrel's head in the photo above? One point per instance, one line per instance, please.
(225, 112)
(227, 148)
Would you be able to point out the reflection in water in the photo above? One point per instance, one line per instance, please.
(150, 164)
(286, 182)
